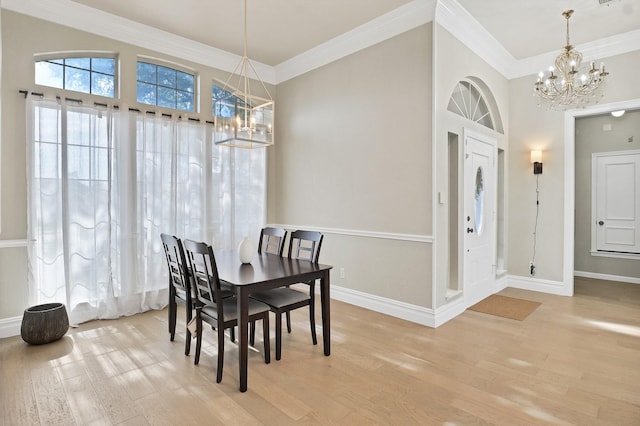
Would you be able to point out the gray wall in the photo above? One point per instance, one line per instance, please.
(355, 155)
(532, 127)
(591, 138)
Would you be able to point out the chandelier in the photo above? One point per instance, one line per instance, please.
(566, 86)
(241, 119)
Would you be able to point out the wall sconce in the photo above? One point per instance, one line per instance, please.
(536, 159)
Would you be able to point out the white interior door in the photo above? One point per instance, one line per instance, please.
(479, 217)
(617, 202)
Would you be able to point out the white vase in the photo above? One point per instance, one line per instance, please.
(246, 250)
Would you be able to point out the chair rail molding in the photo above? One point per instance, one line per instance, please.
(12, 243)
(359, 233)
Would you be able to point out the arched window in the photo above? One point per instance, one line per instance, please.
(85, 73)
(467, 100)
(165, 86)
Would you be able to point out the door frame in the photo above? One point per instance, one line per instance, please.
(493, 142)
(570, 182)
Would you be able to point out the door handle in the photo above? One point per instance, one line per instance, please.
(601, 222)
(469, 230)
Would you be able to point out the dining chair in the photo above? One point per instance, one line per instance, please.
(218, 311)
(179, 285)
(272, 240)
(304, 245)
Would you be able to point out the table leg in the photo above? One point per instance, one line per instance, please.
(243, 336)
(325, 300)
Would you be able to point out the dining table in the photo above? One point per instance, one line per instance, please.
(268, 271)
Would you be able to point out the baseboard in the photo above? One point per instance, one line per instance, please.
(607, 277)
(448, 312)
(10, 327)
(500, 284)
(418, 314)
(536, 284)
(383, 305)
(422, 315)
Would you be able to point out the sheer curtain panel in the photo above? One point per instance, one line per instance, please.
(104, 184)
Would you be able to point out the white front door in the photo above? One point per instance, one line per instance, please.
(479, 217)
(617, 202)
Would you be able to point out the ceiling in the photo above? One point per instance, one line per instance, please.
(281, 29)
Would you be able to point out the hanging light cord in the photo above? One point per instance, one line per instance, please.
(535, 226)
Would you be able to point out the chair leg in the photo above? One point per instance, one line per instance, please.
(278, 336)
(187, 343)
(265, 337)
(220, 353)
(288, 314)
(198, 338)
(312, 322)
(252, 333)
(232, 334)
(173, 308)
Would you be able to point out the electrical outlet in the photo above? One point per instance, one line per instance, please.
(341, 272)
(532, 268)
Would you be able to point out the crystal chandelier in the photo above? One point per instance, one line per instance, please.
(566, 86)
(241, 119)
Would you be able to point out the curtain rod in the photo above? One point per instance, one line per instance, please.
(58, 97)
(105, 105)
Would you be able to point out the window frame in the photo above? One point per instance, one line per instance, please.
(64, 56)
(174, 67)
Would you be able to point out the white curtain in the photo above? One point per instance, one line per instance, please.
(104, 184)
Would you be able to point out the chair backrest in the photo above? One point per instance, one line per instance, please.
(305, 245)
(178, 267)
(206, 282)
(272, 240)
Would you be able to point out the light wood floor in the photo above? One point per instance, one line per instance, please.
(573, 361)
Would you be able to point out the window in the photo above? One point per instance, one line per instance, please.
(166, 87)
(103, 190)
(223, 102)
(94, 75)
(467, 101)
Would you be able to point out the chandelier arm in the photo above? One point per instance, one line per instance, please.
(260, 80)
(234, 73)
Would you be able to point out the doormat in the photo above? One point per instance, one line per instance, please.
(507, 307)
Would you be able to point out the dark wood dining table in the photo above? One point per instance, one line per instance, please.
(267, 271)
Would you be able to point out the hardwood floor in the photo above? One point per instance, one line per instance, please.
(573, 361)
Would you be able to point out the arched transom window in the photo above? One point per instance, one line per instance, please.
(467, 101)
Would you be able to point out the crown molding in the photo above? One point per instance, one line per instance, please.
(594, 51)
(463, 26)
(79, 16)
(398, 21)
(448, 13)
